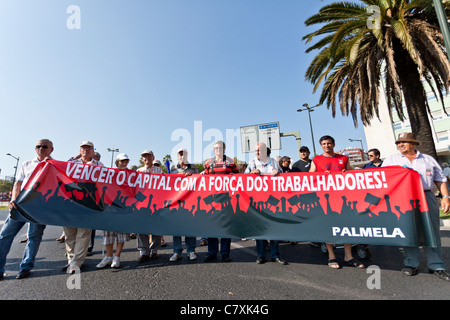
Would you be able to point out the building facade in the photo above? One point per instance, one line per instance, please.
(382, 133)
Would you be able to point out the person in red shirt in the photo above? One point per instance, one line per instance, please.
(330, 161)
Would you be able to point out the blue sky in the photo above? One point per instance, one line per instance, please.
(140, 72)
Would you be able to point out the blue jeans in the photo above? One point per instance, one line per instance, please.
(189, 241)
(9, 231)
(261, 248)
(213, 246)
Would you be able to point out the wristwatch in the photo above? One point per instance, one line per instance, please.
(444, 196)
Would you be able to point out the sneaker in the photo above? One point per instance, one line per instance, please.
(105, 262)
(175, 257)
(192, 256)
(116, 262)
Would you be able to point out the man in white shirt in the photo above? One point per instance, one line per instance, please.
(44, 148)
(263, 164)
(431, 174)
(78, 239)
(148, 251)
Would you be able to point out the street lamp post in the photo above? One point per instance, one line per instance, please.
(310, 109)
(15, 170)
(112, 156)
(443, 24)
(360, 140)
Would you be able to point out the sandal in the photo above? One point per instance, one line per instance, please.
(333, 264)
(354, 263)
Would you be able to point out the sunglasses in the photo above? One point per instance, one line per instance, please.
(42, 146)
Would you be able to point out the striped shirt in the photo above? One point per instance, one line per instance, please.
(225, 166)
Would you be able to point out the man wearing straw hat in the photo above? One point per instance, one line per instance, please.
(431, 174)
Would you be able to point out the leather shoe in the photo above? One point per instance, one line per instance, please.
(410, 271)
(440, 274)
(143, 258)
(23, 274)
(226, 258)
(209, 258)
(280, 261)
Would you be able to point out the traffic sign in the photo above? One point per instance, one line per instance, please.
(269, 133)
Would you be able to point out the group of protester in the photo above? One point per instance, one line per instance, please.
(77, 240)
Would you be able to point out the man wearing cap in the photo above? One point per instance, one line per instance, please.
(11, 227)
(78, 239)
(148, 251)
(183, 167)
(304, 164)
(431, 174)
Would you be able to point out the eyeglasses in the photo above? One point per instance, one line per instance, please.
(371, 156)
(42, 146)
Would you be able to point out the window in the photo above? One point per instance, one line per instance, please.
(397, 126)
(442, 135)
(437, 115)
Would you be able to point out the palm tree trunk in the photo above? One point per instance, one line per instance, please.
(412, 88)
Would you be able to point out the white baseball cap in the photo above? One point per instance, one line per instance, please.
(122, 156)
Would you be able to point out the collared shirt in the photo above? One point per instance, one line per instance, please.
(179, 169)
(427, 167)
(267, 167)
(26, 170)
(372, 165)
(152, 169)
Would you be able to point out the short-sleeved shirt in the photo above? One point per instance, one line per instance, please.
(263, 167)
(338, 162)
(26, 170)
(425, 165)
(225, 166)
(301, 166)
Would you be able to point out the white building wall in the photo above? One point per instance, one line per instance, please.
(380, 134)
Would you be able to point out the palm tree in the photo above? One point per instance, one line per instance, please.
(361, 43)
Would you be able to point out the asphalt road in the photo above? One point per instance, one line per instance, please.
(306, 277)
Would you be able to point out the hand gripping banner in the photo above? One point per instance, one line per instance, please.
(383, 206)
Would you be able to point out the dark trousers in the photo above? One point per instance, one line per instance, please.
(213, 246)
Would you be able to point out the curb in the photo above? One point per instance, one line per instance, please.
(444, 222)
